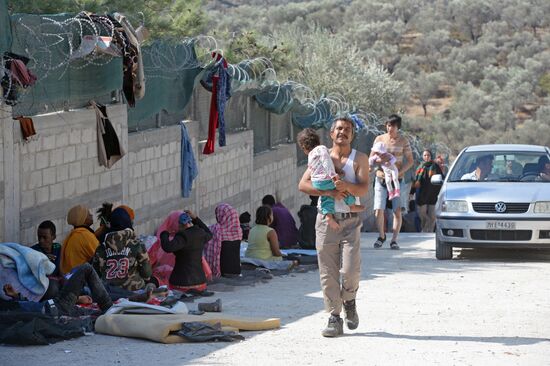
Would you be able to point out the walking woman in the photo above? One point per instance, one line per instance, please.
(426, 192)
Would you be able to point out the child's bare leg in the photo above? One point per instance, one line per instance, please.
(357, 208)
(332, 222)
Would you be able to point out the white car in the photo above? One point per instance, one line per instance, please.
(494, 196)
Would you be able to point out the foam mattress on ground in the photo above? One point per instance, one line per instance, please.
(159, 328)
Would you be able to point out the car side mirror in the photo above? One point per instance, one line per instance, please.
(436, 179)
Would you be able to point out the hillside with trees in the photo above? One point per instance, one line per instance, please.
(470, 71)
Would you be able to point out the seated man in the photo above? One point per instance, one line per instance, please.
(306, 232)
(62, 301)
(46, 236)
(122, 259)
(283, 223)
(484, 165)
(80, 245)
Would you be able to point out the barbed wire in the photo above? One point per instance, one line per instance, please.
(59, 43)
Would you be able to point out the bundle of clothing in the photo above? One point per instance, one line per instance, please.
(15, 77)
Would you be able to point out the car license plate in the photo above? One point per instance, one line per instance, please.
(501, 225)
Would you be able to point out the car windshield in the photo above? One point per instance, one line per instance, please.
(505, 166)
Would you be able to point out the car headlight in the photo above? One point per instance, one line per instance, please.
(454, 206)
(542, 207)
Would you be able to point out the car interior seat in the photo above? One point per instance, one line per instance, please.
(530, 167)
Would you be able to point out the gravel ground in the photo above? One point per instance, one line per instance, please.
(485, 307)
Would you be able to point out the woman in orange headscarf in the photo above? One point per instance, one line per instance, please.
(80, 245)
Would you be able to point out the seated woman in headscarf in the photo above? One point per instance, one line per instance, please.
(121, 259)
(223, 252)
(187, 245)
(163, 262)
(80, 245)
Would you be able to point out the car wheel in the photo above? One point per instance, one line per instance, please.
(442, 250)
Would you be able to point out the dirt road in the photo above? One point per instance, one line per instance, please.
(482, 308)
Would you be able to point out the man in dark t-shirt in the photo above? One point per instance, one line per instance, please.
(46, 236)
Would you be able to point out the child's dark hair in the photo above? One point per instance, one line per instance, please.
(104, 212)
(48, 225)
(308, 139)
(394, 120)
(244, 218)
(263, 213)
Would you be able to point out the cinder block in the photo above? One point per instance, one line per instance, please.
(48, 142)
(75, 170)
(158, 151)
(27, 199)
(116, 177)
(62, 140)
(92, 150)
(88, 135)
(149, 153)
(81, 185)
(28, 163)
(48, 176)
(81, 152)
(132, 158)
(88, 166)
(162, 163)
(69, 155)
(133, 187)
(93, 182)
(146, 168)
(165, 150)
(56, 191)
(74, 137)
(105, 180)
(141, 155)
(69, 188)
(35, 179)
(62, 173)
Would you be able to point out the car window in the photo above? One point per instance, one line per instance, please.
(501, 166)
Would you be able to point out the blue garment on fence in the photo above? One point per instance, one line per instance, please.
(189, 169)
(32, 266)
(223, 94)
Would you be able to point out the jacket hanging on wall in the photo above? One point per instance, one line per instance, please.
(218, 82)
(109, 150)
(189, 170)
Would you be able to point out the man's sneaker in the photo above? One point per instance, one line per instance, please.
(335, 327)
(378, 243)
(394, 245)
(352, 319)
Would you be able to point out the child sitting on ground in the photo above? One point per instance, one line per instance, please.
(387, 163)
(323, 174)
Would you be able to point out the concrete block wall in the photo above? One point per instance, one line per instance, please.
(154, 177)
(275, 173)
(5, 116)
(60, 169)
(226, 175)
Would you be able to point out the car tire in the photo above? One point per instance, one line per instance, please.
(442, 250)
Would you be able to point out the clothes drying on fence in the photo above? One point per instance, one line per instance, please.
(218, 82)
(109, 150)
(138, 75)
(189, 169)
(16, 76)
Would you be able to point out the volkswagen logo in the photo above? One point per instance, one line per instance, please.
(500, 207)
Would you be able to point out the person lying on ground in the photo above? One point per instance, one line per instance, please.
(65, 298)
(187, 245)
(46, 245)
(80, 245)
(121, 259)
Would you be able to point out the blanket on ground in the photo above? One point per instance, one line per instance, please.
(32, 266)
(163, 328)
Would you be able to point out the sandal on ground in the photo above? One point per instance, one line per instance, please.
(378, 243)
(394, 245)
